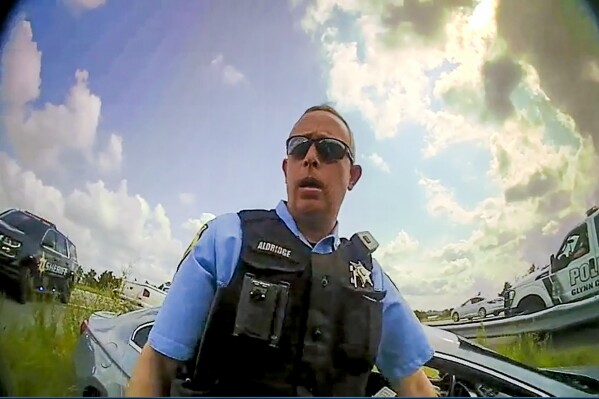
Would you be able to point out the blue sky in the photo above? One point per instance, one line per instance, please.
(203, 95)
(185, 130)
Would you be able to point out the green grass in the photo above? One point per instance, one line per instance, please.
(39, 347)
(534, 351)
(95, 290)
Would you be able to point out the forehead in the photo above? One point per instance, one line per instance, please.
(321, 124)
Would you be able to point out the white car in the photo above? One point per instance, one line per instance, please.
(109, 346)
(478, 307)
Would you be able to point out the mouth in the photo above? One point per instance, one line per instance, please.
(311, 183)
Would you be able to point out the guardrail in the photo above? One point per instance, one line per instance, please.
(552, 319)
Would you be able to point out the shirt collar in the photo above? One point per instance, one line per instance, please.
(327, 244)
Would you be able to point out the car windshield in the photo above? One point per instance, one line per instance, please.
(581, 382)
(24, 222)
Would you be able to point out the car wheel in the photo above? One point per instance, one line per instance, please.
(25, 290)
(530, 305)
(455, 317)
(65, 294)
(482, 313)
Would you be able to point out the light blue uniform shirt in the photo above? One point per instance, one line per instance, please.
(180, 322)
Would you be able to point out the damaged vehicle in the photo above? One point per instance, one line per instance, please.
(110, 344)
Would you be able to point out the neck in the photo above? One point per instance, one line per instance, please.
(314, 228)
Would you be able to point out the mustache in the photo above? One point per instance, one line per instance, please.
(310, 181)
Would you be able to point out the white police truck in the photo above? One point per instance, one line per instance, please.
(572, 275)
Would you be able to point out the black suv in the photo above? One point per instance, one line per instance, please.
(35, 256)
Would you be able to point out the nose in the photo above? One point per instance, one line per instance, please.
(311, 158)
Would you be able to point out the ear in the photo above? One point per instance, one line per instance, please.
(354, 176)
(284, 167)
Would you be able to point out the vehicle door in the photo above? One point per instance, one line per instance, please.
(48, 255)
(476, 305)
(574, 273)
(137, 340)
(73, 260)
(63, 262)
(54, 255)
(466, 308)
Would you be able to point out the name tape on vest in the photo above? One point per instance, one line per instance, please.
(274, 249)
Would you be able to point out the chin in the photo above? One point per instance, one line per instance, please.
(309, 206)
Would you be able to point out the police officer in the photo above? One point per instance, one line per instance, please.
(275, 303)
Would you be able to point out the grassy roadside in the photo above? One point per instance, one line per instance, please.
(39, 349)
(96, 291)
(534, 351)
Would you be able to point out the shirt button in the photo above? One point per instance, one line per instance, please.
(324, 281)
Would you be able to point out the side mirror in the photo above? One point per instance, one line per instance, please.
(552, 259)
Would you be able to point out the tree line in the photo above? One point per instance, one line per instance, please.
(103, 281)
(107, 280)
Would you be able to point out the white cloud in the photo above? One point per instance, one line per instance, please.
(379, 162)
(230, 75)
(109, 159)
(43, 137)
(22, 63)
(447, 69)
(84, 5)
(193, 225)
(187, 198)
(441, 201)
(110, 228)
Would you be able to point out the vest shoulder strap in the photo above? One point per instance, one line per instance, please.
(248, 215)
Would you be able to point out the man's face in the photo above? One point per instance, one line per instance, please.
(316, 187)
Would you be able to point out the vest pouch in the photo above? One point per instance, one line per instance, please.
(261, 310)
(362, 322)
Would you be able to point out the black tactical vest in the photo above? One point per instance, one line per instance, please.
(290, 322)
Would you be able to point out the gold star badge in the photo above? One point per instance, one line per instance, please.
(359, 274)
(42, 262)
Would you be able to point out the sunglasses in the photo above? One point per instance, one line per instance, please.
(329, 149)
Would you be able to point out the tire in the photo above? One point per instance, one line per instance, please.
(25, 289)
(482, 313)
(65, 294)
(455, 317)
(530, 304)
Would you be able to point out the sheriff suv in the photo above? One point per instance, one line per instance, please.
(35, 256)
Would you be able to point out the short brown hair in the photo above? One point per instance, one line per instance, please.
(328, 108)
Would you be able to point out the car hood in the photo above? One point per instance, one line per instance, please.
(586, 371)
(10, 230)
